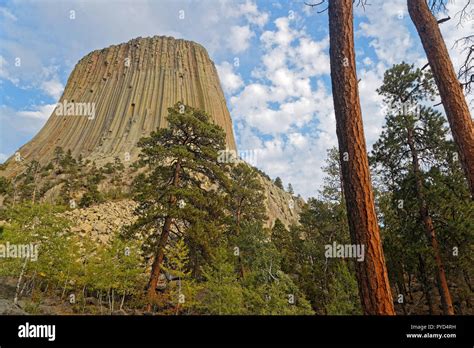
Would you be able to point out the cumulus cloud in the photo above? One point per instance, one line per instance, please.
(41, 112)
(231, 82)
(53, 88)
(239, 38)
(24, 122)
(5, 73)
(15, 125)
(283, 79)
(389, 35)
(285, 112)
(250, 10)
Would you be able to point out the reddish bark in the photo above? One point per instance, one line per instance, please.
(429, 227)
(372, 277)
(449, 87)
(160, 249)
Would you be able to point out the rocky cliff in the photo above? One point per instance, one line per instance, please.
(119, 94)
(116, 95)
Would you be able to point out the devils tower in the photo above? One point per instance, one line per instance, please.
(130, 87)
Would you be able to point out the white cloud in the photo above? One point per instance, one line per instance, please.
(26, 122)
(231, 82)
(389, 35)
(53, 88)
(4, 71)
(239, 38)
(288, 106)
(254, 16)
(41, 112)
(290, 60)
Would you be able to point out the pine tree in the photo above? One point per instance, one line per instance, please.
(176, 195)
(278, 182)
(58, 156)
(182, 288)
(449, 87)
(413, 138)
(372, 275)
(290, 189)
(245, 198)
(223, 294)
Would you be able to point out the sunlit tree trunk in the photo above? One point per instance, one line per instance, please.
(160, 249)
(449, 87)
(372, 277)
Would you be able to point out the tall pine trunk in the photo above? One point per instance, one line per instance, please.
(160, 249)
(372, 277)
(449, 87)
(429, 227)
(425, 285)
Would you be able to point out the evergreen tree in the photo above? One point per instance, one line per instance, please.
(223, 294)
(182, 289)
(245, 198)
(372, 276)
(412, 147)
(451, 92)
(278, 182)
(329, 284)
(58, 156)
(180, 193)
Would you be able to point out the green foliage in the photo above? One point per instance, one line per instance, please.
(278, 183)
(66, 262)
(39, 225)
(118, 266)
(184, 181)
(267, 289)
(444, 187)
(92, 196)
(329, 284)
(5, 185)
(182, 292)
(402, 84)
(245, 198)
(223, 294)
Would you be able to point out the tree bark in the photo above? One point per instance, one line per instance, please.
(372, 277)
(449, 87)
(429, 227)
(160, 249)
(426, 285)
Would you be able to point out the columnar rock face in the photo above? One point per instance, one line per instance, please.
(129, 88)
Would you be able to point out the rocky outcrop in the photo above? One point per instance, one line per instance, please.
(129, 88)
(102, 221)
(280, 204)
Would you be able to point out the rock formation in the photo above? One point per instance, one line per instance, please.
(121, 93)
(129, 88)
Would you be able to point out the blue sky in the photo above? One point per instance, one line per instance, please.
(272, 59)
